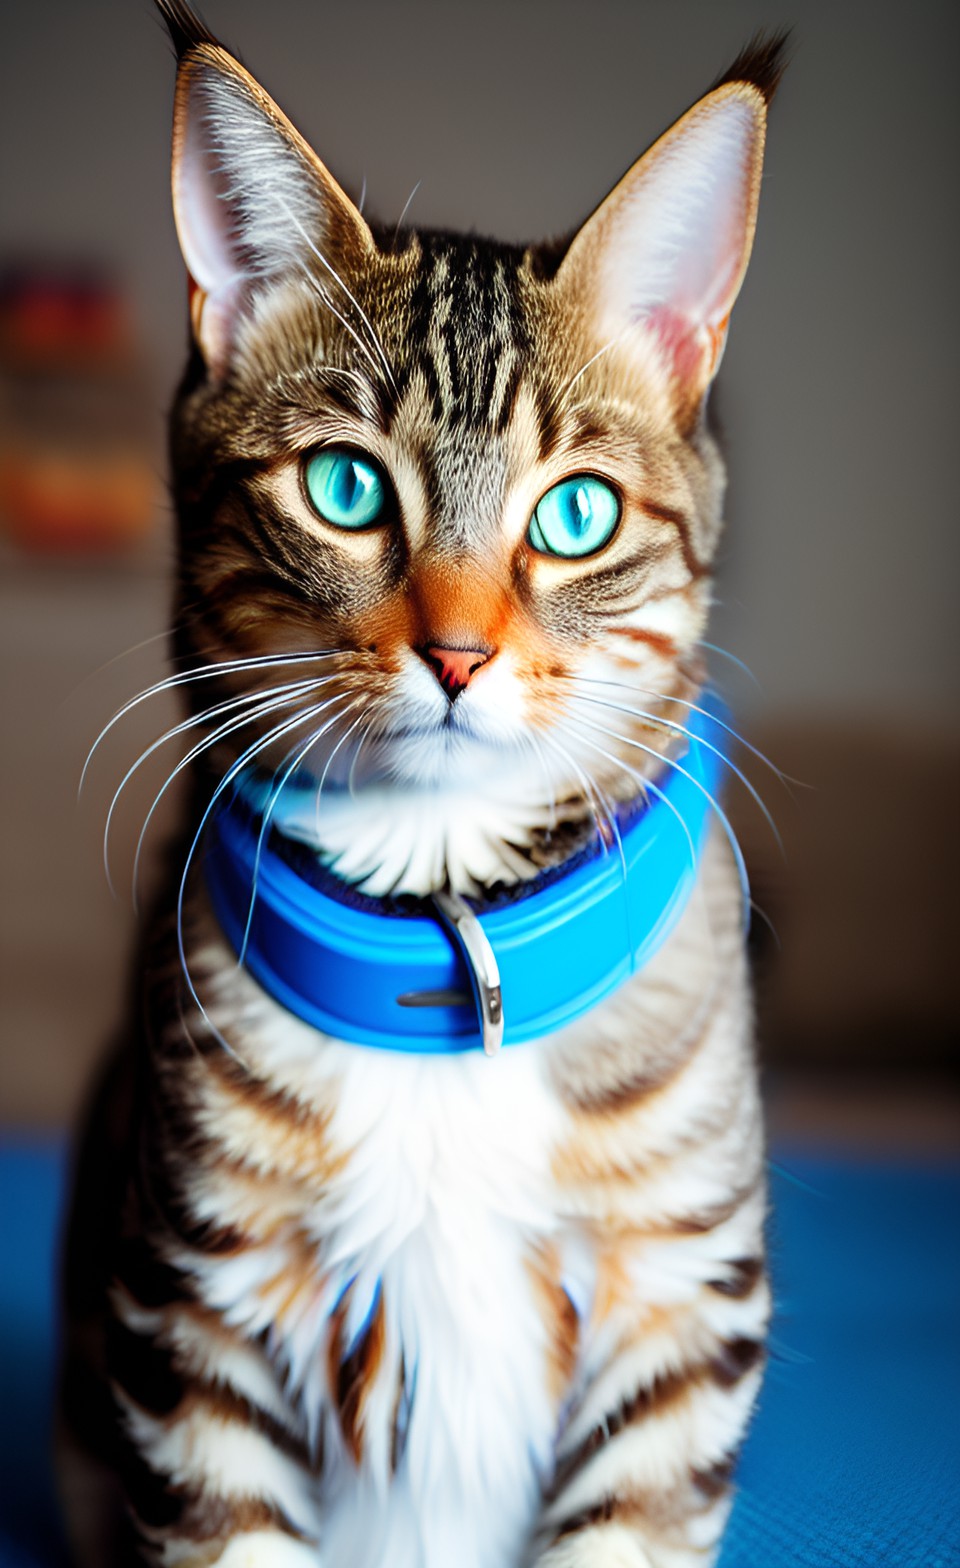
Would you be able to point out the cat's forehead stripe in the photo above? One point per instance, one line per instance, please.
(466, 332)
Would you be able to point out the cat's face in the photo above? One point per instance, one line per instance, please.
(473, 479)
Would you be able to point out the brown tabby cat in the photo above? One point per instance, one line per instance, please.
(447, 510)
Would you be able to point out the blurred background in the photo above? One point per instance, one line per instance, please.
(837, 587)
(836, 612)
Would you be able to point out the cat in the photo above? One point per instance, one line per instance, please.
(492, 1295)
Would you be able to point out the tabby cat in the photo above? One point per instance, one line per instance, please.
(447, 514)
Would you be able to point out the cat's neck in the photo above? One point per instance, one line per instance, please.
(469, 836)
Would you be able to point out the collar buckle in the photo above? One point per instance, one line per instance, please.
(460, 922)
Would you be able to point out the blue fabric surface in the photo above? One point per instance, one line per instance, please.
(854, 1458)
(33, 1183)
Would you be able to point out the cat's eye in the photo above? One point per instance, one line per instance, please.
(575, 517)
(347, 488)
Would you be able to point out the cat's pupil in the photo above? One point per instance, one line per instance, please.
(348, 484)
(580, 510)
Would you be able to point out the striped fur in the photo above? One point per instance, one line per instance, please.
(338, 1307)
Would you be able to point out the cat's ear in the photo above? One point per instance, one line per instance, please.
(668, 249)
(252, 201)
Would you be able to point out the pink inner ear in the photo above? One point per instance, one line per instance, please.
(692, 349)
(206, 220)
(675, 235)
(679, 340)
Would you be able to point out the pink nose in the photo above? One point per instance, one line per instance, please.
(453, 667)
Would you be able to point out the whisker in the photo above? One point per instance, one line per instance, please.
(337, 279)
(684, 773)
(200, 673)
(647, 786)
(591, 790)
(614, 827)
(568, 386)
(268, 704)
(243, 761)
(289, 769)
(683, 702)
(137, 647)
(328, 304)
(187, 614)
(326, 770)
(724, 653)
(405, 210)
(532, 740)
(227, 706)
(681, 729)
(348, 375)
(355, 759)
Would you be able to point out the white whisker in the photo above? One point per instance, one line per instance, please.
(326, 769)
(355, 759)
(724, 653)
(195, 720)
(232, 772)
(532, 740)
(289, 768)
(612, 824)
(654, 788)
(262, 705)
(405, 210)
(591, 790)
(201, 673)
(136, 647)
(684, 702)
(328, 304)
(348, 375)
(681, 729)
(375, 341)
(568, 386)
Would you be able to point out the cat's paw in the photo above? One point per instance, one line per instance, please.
(265, 1549)
(608, 1546)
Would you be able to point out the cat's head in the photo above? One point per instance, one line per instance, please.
(473, 479)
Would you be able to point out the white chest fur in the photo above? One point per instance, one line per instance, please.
(438, 1209)
(445, 1204)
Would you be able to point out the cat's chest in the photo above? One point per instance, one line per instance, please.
(450, 1204)
(414, 1300)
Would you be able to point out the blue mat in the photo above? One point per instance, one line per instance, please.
(853, 1461)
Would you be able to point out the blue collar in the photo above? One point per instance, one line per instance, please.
(513, 970)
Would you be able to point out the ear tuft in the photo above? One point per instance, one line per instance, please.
(187, 30)
(761, 63)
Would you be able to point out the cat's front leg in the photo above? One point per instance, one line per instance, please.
(643, 1467)
(217, 1471)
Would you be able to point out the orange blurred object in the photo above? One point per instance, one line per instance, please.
(75, 465)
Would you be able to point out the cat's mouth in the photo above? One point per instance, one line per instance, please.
(450, 726)
(440, 752)
(446, 752)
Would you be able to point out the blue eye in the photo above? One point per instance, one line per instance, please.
(575, 518)
(346, 488)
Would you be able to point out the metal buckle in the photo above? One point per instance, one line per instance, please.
(459, 920)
